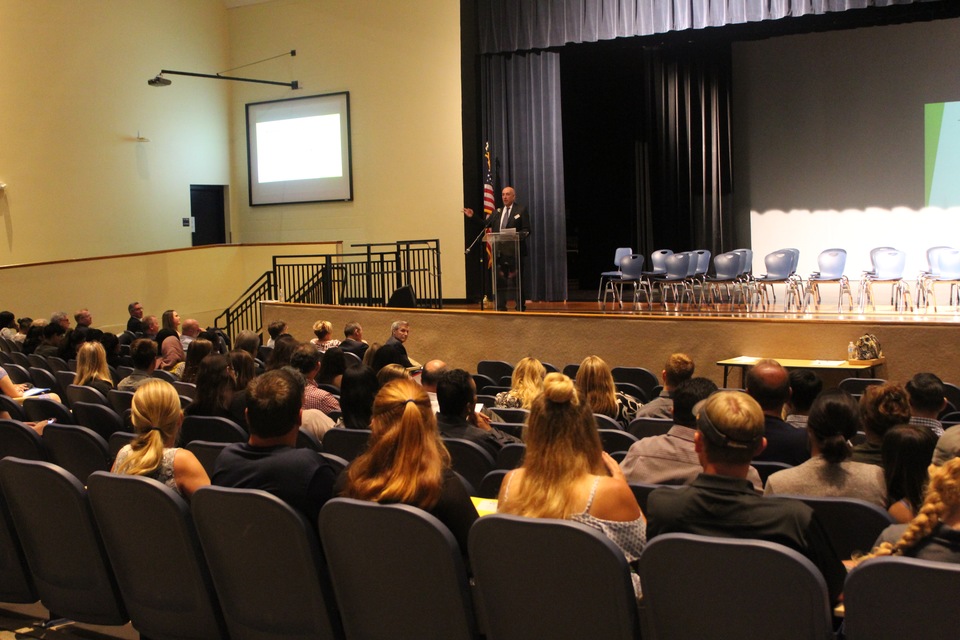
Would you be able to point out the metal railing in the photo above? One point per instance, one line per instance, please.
(365, 278)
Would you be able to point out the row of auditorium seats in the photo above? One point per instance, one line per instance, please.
(242, 564)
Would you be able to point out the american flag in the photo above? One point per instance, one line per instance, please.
(488, 202)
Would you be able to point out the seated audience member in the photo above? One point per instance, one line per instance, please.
(429, 379)
(283, 348)
(52, 339)
(357, 392)
(216, 386)
(526, 383)
(370, 354)
(269, 460)
(8, 326)
(391, 372)
(323, 329)
(83, 318)
(595, 382)
(721, 502)
(92, 368)
(306, 360)
(672, 458)
(907, 452)
(143, 352)
(769, 384)
(34, 336)
(353, 340)
(15, 391)
(406, 462)
(61, 318)
(23, 326)
(457, 397)
(244, 368)
(679, 367)
(313, 421)
(150, 327)
(566, 474)
(276, 329)
(927, 401)
(805, 386)
(156, 417)
(135, 321)
(395, 345)
(190, 331)
(882, 407)
(218, 338)
(834, 419)
(70, 343)
(248, 341)
(332, 365)
(168, 341)
(111, 345)
(934, 533)
(196, 352)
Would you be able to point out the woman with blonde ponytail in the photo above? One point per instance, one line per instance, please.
(407, 462)
(934, 534)
(566, 473)
(157, 417)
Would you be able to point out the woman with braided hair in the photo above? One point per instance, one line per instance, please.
(934, 534)
(156, 416)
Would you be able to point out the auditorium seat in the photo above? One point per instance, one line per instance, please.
(16, 585)
(766, 467)
(207, 453)
(781, 268)
(738, 589)
(83, 393)
(98, 417)
(19, 440)
(267, 590)
(893, 597)
(614, 440)
(831, 263)
(643, 378)
(54, 521)
(167, 590)
(545, 578)
(852, 525)
(12, 407)
(38, 408)
(397, 572)
(210, 429)
(469, 459)
(346, 443)
(79, 450)
(511, 455)
(617, 273)
(494, 369)
(888, 265)
(645, 427)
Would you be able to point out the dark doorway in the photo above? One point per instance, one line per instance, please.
(207, 209)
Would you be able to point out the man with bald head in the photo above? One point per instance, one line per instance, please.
(769, 384)
(190, 329)
(429, 378)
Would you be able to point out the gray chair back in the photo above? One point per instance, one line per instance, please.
(469, 459)
(878, 608)
(614, 440)
(346, 443)
(207, 453)
(210, 429)
(530, 586)
(61, 542)
(98, 417)
(17, 583)
(168, 591)
(79, 450)
(366, 566)
(19, 440)
(757, 589)
(268, 591)
(852, 525)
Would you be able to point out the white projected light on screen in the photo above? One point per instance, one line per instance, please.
(299, 149)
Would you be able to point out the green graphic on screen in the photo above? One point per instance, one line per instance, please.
(942, 154)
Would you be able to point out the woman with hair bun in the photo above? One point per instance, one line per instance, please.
(156, 416)
(934, 534)
(833, 420)
(323, 329)
(407, 462)
(566, 473)
(526, 383)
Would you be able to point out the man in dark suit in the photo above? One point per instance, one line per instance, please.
(511, 216)
(353, 340)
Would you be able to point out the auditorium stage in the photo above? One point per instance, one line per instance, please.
(566, 332)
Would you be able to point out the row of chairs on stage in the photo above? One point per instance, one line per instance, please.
(685, 276)
(130, 549)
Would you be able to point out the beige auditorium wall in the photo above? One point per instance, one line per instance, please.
(400, 61)
(74, 98)
(198, 282)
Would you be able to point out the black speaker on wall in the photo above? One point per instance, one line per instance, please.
(404, 297)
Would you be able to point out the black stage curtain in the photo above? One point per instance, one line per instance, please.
(521, 120)
(522, 25)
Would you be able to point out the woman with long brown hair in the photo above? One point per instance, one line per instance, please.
(595, 382)
(407, 462)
